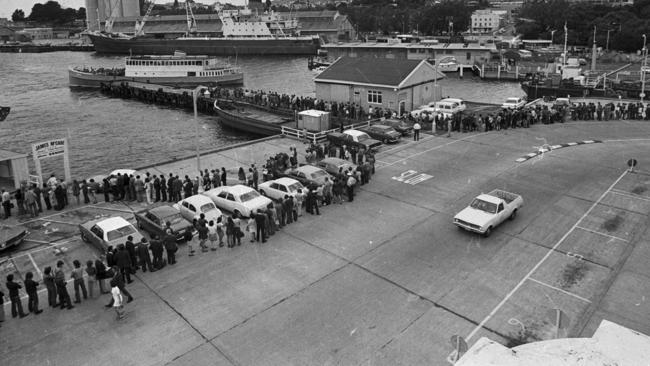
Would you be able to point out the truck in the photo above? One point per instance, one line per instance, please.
(489, 210)
(353, 138)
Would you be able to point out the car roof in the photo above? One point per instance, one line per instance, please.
(112, 223)
(352, 132)
(197, 199)
(286, 181)
(457, 100)
(164, 211)
(383, 127)
(335, 161)
(237, 189)
(488, 198)
(308, 169)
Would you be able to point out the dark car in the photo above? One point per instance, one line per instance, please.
(308, 175)
(153, 221)
(356, 138)
(332, 165)
(399, 126)
(383, 133)
(11, 236)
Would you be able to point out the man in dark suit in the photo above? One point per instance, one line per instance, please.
(143, 253)
(287, 209)
(157, 249)
(260, 222)
(156, 187)
(170, 187)
(130, 248)
(178, 187)
(170, 242)
(163, 188)
(123, 262)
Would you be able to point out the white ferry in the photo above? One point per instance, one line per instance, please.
(174, 70)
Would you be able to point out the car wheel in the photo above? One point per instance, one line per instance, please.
(84, 237)
(384, 141)
(513, 215)
(488, 231)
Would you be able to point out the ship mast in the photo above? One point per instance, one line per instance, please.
(191, 20)
(139, 26)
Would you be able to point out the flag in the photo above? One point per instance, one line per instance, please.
(4, 112)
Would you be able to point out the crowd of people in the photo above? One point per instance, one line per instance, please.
(118, 264)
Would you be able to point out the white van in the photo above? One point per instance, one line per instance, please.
(450, 106)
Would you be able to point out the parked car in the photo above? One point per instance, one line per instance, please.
(450, 106)
(111, 231)
(514, 103)
(332, 165)
(399, 126)
(100, 178)
(154, 221)
(353, 138)
(487, 211)
(11, 236)
(192, 207)
(238, 199)
(383, 133)
(423, 111)
(281, 187)
(461, 103)
(308, 175)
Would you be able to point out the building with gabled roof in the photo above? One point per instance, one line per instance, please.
(395, 84)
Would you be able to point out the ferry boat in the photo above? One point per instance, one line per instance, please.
(242, 33)
(174, 70)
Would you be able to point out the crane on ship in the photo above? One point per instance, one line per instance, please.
(139, 26)
(191, 20)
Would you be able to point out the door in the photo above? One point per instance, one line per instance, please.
(402, 107)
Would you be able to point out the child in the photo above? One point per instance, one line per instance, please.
(118, 301)
(220, 231)
(212, 235)
(251, 227)
(188, 238)
(32, 293)
(78, 277)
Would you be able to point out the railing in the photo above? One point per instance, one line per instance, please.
(316, 137)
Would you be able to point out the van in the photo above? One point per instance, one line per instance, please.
(450, 106)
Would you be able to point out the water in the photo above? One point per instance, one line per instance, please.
(106, 133)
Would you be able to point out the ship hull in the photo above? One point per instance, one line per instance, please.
(204, 46)
(252, 119)
(540, 91)
(78, 79)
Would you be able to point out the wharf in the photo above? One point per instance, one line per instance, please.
(42, 48)
(384, 280)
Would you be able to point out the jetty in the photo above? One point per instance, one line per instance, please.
(42, 48)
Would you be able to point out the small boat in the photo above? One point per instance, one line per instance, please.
(252, 118)
(173, 70)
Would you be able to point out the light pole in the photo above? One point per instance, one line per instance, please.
(195, 93)
(607, 43)
(552, 33)
(644, 68)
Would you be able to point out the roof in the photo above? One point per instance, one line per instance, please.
(490, 199)
(9, 155)
(308, 169)
(421, 45)
(286, 181)
(368, 70)
(352, 132)
(112, 223)
(236, 189)
(336, 161)
(164, 211)
(197, 200)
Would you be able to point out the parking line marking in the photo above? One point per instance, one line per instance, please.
(560, 290)
(602, 234)
(541, 261)
(35, 266)
(626, 194)
(521, 160)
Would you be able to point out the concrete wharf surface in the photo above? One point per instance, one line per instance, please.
(386, 279)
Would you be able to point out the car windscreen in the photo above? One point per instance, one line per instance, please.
(484, 206)
(173, 219)
(318, 174)
(294, 187)
(207, 207)
(249, 196)
(363, 137)
(120, 233)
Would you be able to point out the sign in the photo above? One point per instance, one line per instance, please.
(631, 163)
(412, 177)
(48, 149)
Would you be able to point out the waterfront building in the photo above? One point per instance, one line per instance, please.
(464, 53)
(7, 34)
(487, 20)
(328, 24)
(399, 85)
(39, 33)
(13, 169)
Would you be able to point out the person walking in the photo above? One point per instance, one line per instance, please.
(14, 297)
(48, 280)
(118, 301)
(143, 253)
(101, 274)
(91, 271)
(79, 285)
(123, 262)
(31, 287)
(118, 281)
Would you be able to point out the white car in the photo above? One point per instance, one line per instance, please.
(239, 199)
(112, 231)
(192, 207)
(423, 111)
(461, 103)
(489, 210)
(281, 187)
(513, 103)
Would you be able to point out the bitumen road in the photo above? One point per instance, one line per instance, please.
(386, 279)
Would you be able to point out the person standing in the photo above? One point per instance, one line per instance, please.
(79, 285)
(93, 189)
(30, 203)
(38, 192)
(106, 188)
(6, 204)
(170, 243)
(157, 249)
(46, 191)
(101, 274)
(143, 253)
(260, 224)
(139, 189)
(163, 188)
(14, 296)
(203, 234)
(256, 176)
(223, 176)
(2, 306)
(118, 301)
(156, 188)
(76, 191)
(212, 235)
(91, 271)
(130, 248)
(84, 191)
(188, 237)
(351, 181)
(123, 262)
(220, 230)
(148, 190)
(48, 280)
(170, 187)
(31, 287)
(251, 227)
(60, 195)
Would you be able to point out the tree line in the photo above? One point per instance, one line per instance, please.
(51, 13)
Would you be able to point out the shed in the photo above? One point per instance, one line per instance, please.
(395, 84)
(13, 169)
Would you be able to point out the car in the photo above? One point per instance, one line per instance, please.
(238, 199)
(423, 111)
(154, 221)
(450, 106)
(332, 165)
(100, 178)
(106, 232)
(362, 137)
(383, 133)
(399, 126)
(514, 103)
(278, 188)
(308, 175)
(11, 236)
(489, 210)
(355, 138)
(192, 207)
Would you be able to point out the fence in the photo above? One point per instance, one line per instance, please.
(317, 137)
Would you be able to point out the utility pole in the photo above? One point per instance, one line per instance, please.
(644, 68)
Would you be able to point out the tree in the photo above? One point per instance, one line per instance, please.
(81, 13)
(18, 15)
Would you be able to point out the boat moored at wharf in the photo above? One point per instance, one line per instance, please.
(252, 118)
(175, 70)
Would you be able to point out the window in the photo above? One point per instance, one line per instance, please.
(97, 231)
(192, 208)
(223, 194)
(207, 207)
(374, 96)
(230, 197)
(120, 233)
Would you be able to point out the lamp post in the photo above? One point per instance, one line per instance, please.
(552, 33)
(195, 93)
(644, 68)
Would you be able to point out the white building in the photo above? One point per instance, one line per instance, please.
(487, 20)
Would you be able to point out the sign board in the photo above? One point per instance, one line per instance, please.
(48, 149)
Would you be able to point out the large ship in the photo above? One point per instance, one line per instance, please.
(173, 70)
(242, 33)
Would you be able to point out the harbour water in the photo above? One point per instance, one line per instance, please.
(106, 133)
